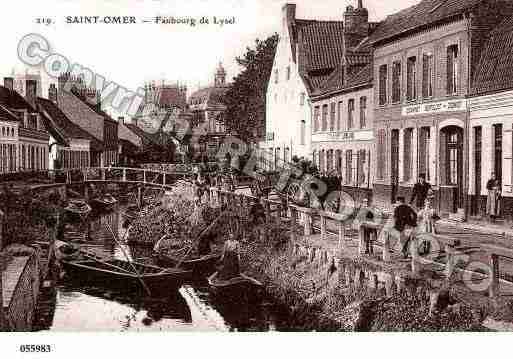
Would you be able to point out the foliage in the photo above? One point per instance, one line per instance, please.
(246, 99)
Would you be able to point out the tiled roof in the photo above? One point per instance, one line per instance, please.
(495, 69)
(170, 96)
(209, 96)
(336, 83)
(6, 115)
(58, 123)
(424, 13)
(321, 48)
(12, 99)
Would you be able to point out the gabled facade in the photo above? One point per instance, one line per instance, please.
(424, 60)
(308, 51)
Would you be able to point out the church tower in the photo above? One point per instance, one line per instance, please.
(220, 76)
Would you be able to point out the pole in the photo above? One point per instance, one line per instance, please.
(128, 258)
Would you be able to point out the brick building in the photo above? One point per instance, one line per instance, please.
(424, 59)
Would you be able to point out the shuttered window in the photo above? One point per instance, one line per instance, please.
(396, 82)
(324, 117)
(452, 69)
(424, 140)
(363, 112)
(381, 153)
(350, 113)
(411, 78)
(383, 75)
(349, 166)
(407, 154)
(316, 118)
(427, 75)
(333, 112)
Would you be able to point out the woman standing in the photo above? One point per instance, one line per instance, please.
(493, 200)
(230, 259)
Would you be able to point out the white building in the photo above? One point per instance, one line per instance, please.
(308, 51)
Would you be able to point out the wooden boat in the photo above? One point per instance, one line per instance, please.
(240, 288)
(199, 265)
(104, 202)
(120, 274)
(66, 251)
(77, 209)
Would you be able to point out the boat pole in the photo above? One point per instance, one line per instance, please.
(128, 258)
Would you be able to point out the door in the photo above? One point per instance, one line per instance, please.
(394, 164)
(454, 162)
(476, 208)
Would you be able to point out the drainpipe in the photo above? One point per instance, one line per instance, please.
(466, 128)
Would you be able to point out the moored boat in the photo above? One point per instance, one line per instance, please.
(104, 202)
(240, 288)
(199, 265)
(121, 274)
(77, 209)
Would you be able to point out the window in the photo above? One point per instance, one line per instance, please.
(396, 82)
(316, 118)
(423, 152)
(276, 76)
(322, 161)
(339, 115)
(324, 117)
(288, 72)
(411, 78)
(427, 75)
(452, 69)
(381, 153)
(333, 109)
(338, 162)
(452, 146)
(360, 167)
(349, 166)
(408, 163)
(497, 147)
(302, 99)
(350, 113)
(363, 112)
(329, 161)
(383, 74)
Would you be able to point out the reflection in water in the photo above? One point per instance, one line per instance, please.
(91, 308)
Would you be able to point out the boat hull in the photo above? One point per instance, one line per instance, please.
(202, 266)
(236, 290)
(159, 284)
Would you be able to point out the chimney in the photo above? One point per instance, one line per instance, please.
(121, 120)
(52, 93)
(288, 12)
(360, 4)
(9, 83)
(30, 92)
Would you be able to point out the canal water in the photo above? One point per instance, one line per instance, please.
(86, 308)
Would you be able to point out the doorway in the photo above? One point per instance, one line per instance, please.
(394, 164)
(453, 161)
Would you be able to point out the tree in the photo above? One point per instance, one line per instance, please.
(246, 99)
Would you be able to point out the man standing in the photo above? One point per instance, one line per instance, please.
(420, 192)
(405, 219)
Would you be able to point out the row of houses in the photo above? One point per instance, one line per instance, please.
(428, 90)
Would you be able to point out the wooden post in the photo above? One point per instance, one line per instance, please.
(139, 195)
(414, 251)
(124, 174)
(293, 224)
(103, 173)
(164, 179)
(386, 247)
(494, 274)
(144, 176)
(323, 227)
(449, 265)
(308, 222)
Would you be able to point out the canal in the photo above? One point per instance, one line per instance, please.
(85, 308)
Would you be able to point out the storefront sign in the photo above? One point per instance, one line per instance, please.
(343, 136)
(435, 107)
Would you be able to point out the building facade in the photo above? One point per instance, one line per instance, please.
(24, 144)
(423, 68)
(207, 115)
(491, 123)
(308, 51)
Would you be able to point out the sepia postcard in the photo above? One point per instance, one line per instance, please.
(172, 166)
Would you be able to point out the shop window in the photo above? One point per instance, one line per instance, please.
(407, 154)
(497, 132)
(349, 166)
(381, 153)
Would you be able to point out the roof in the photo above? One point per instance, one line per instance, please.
(57, 123)
(13, 100)
(211, 96)
(321, 48)
(335, 82)
(145, 136)
(6, 115)
(171, 96)
(495, 69)
(424, 13)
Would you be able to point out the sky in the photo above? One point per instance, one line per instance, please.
(131, 54)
